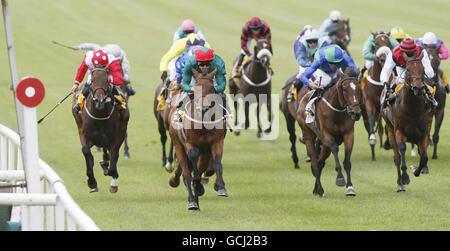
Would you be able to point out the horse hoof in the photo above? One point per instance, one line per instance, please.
(434, 157)
(425, 170)
(193, 206)
(93, 190)
(222, 192)
(168, 167)
(296, 166)
(308, 159)
(199, 189)
(237, 132)
(350, 191)
(204, 180)
(401, 188)
(268, 130)
(259, 135)
(340, 182)
(113, 189)
(126, 155)
(216, 187)
(173, 182)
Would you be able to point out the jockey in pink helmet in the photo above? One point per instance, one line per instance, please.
(187, 27)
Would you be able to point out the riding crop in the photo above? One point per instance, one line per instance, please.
(55, 107)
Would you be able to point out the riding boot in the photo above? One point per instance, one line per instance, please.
(78, 107)
(130, 90)
(238, 65)
(389, 96)
(361, 75)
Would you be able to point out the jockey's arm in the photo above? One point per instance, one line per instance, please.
(387, 68)
(302, 60)
(443, 51)
(368, 51)
(81, 73)
(393, 42)
(348, 61)
(125, 69)
(244, 42)
(177, 49)
(187, 75)
(116, 72)
(429, 72)
(220, 75)
(306, 75)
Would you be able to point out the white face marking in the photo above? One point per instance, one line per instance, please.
(353, 86)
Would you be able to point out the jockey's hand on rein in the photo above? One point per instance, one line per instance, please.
(74, 88)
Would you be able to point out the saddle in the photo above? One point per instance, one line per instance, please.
(166, 95)
(247, 60)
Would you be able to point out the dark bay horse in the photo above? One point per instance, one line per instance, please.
(440, 96)
(163, 126)
(336, 113)
(255, 83)
(103, 125)
(342, 36)
(199, 140)
(409, 120)
(373, 88)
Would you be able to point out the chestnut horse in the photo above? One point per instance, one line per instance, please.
(440, 96)
(336, 113)
(373, 88)
(409, 120)
(255, 79)
(103, 125)
(199, 142)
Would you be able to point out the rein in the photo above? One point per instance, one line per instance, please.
(346, 107)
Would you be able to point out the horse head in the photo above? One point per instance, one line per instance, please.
(100, 89)
(350, 92)
(414, 74)
(382, 46)
(433, 54)
(263, 52)
(342, 33)
(203, 87)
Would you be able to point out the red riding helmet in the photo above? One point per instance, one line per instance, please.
(407, 45)
(255, 23)
(100, 59)
(204, 54)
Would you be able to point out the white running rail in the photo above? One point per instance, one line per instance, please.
(58, 210)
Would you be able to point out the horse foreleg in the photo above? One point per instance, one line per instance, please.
(126, 154)
(163, 138)
(372, 138)
(348, 144)
(217, 151)
(193, 155)
(439, 117)
(92, 183)
(403, 178)
(247, 111)
(112, 171)
(311, 150)
(258, 110)
(290, 124)
(423, 146)
(187, 177)
(269, 113)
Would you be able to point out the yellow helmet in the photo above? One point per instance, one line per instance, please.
(398, 33)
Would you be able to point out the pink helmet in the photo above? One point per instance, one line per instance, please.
(100, 59)
(188, 25)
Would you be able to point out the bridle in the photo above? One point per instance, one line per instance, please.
(108, 95)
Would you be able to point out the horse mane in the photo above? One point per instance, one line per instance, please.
(351, 72)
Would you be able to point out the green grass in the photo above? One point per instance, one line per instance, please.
(266, 192)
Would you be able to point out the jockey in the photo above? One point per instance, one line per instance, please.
(187, 27)
(368, 51)
(397, 59)
(399, 34)
(327, 61)
(103, 60)
(306, 45)
(118, 53)
(204, 61)
(167, 62)
(254, 28)
(329, 25)
(429, 39)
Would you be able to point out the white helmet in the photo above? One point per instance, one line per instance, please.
(429, 38)
(113, 49)
(335, 15)
(311, 34)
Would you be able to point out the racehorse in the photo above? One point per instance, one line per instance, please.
(373, 88)
(440, 96)
(161, 117)
(255, 79)
(336, 113)
(103, 125)
(342, 36)
(199, 142)
(409, 120)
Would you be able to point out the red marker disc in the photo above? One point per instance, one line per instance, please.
(30, 91)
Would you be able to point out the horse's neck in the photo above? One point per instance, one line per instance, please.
(334, 97)
(376, 70)
(410, 102)
(256, 71)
